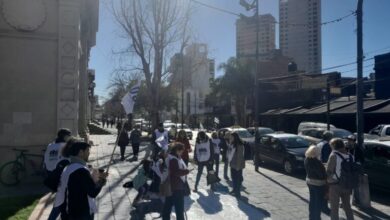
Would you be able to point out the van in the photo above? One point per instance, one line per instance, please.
(307, 125)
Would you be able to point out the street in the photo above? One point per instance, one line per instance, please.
(266, 195)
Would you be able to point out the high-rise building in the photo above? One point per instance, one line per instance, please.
(300, 33)
(246, 36)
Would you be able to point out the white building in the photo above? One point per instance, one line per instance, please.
(300, 33)
(199, 69)
(246, 36)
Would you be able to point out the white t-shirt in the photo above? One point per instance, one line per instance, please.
(203, 151)
(162, 139)
(216, 143)
(53, 155)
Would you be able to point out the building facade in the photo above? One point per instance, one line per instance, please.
(46, 85)
(198, 70)
(300, 33)
(246, 36)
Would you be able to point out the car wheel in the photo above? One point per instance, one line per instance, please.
(288, 167)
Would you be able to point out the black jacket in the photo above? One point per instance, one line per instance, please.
(135, 137)
(123, 139)
(315, 169)
(80, 186)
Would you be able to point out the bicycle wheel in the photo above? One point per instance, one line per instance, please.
(11, 173)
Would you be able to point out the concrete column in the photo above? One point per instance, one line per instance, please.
(68, 65)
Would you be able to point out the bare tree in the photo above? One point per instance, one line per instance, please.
(153, 28)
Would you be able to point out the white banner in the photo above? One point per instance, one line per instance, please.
(129, 99)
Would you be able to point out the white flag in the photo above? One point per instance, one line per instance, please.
(129, 99)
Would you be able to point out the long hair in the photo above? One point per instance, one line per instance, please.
(202, 137)
(236, 139)
(182, 136)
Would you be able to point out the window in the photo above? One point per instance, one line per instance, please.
(388, 131)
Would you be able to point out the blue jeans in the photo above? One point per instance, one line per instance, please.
(55, 212)
(316, 204)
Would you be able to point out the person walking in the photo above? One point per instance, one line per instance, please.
(325, 146)
(182, 138)
(203, 156)
(178, 181)
(225, 140)
(237, 163)
(217, 151)
(104, 121)
(53, 150)
(79, 186)
(335, 174)
(316, 181)
(135, 139)
(123, 141)
(160, 140)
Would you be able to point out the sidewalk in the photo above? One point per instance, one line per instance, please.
(114, 202)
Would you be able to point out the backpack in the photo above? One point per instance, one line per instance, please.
(53, 178)
(350, 172)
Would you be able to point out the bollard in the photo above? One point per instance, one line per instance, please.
(364, 192)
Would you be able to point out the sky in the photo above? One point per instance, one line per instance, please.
(217, 29)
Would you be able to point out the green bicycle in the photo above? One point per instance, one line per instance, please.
(12, 172)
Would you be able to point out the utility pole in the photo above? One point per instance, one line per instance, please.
(257, 69)
(327, 105)
(182, 88)
(359, 85)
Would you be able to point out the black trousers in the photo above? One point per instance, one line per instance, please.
(135, 147)
(122, 148)
(177, 200)
(237, 180)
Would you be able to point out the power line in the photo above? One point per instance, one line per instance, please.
(276, 22)
(216, 8)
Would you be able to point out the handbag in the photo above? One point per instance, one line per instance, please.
(165, 188)
(212, 178)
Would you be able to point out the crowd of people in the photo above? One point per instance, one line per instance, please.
(332, 168)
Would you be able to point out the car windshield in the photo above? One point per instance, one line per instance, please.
(294, 142)
(341, 133)
(243, 133)
(184, 126)
(264, 131)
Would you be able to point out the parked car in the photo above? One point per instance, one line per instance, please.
(246, 137)
(381, 131)
(261, 131)
(187, 129)
(318, 132)
(377, 163)
(308, 125)
(287, 150)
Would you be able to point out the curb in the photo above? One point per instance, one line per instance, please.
(41, 206)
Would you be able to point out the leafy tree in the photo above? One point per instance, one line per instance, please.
(237, 84)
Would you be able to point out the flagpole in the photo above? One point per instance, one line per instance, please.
(129, 111)
(113, 151)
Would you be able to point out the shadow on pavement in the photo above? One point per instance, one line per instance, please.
(206, 201)
(247, 208)
(286, 188)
